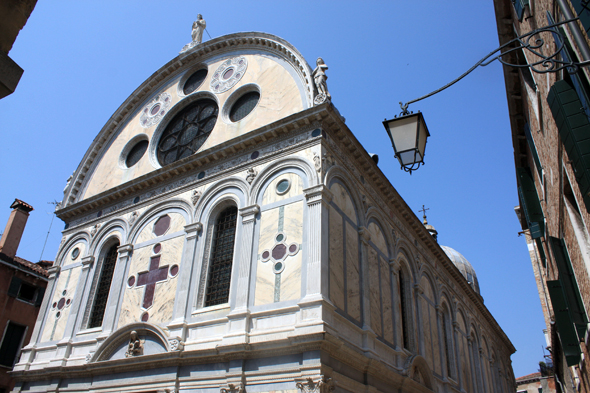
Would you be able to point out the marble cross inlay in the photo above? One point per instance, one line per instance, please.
(278, 253)
(150, 278)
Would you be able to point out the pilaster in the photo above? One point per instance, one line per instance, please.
(51, 281)
(181, 305)
(365, 237)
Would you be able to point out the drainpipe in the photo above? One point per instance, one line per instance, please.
(575, 29)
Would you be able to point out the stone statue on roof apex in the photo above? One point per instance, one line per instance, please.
(198, 26)
(320, 78)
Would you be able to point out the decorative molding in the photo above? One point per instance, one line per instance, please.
(228, 74)
(251, 175)
(176, 344)
(365, 235)
(133, 217)
(155, 110)
(196, 196)
(87, 261)
(249, 213)
(94, 229)
(234, 389)
(317, 194)
(323, 385)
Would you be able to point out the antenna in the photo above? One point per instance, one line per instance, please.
(55, 203)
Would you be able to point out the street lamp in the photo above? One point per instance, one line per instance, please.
(408, 131)
(408, 134)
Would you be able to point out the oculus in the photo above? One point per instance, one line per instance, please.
(187, 131)
(136, 152)
(228, 74)
(194, 81)
(154, 111)
(243, 106)
(283, 186)
(75, 253)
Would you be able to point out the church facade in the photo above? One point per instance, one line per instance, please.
(226, 231)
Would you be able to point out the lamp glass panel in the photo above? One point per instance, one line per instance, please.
(423, 134)
(408, 157)
(403, 132)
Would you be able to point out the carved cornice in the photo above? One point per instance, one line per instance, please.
(87, 262)
(317, 194)
(249, 213)
(125, 250)
(193, 229)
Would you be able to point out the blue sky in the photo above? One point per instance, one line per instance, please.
(83, 59)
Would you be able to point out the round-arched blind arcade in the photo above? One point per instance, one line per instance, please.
(187, 131)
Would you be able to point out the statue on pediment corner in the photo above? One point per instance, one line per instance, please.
(320, 78)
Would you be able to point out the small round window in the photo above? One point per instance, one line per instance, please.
(282, 187)
(244, 105)
(75, 253)
(136, 153)
(187, 131)
(195, 81)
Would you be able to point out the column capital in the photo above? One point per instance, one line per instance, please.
(394, 265)
(249, 213)
(193, 229)
(54, 271)
(365, 235)
(87, 261)
(317, 194)
(125, 250)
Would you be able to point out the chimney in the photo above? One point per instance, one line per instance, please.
(15, 227)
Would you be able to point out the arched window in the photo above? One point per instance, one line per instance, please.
(107, 267)
(222, 255)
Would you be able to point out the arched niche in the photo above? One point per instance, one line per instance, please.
(153, 341)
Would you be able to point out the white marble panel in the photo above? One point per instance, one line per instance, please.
(377, 238)
(272, 322)
(177, 223)
(265, 278)
(343, 201)
(353, 279)
(336, 259)
(64, 289)
(374, 296)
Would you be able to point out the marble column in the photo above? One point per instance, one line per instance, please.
(75, 315)
(244, 265)
(182, 307)
(109, 322)
(318, 198)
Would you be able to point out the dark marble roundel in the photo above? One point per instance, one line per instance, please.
(145, 317)
(279, 251)
(61, 303)
(162, 225)
(157, 248)
(131, 281)
(174, 270)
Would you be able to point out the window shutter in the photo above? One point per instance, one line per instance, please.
(570, 286)
(541, 252)
(574, 130)
(583, 10)
(530, 203)
(40, 293)
(533, 148)
(14, 286)
(519, 7)
(565, 326)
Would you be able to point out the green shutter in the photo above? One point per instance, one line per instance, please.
(519, 7)
(583, 10)
(530, 203)
(570, 286)
(574, 130)
(533, 148)
(14, 286)
(565, 326)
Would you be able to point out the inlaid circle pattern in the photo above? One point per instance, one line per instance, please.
(154, 111)
(228, 74)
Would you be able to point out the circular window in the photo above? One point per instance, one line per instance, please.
(187, 131)
(195, 81)
(136, 153)
(283, 186)
(244, 105)
(75, 253)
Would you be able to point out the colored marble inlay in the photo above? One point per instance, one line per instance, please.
(145, 317)
(150, 278)
(174, 270)
(162, 225)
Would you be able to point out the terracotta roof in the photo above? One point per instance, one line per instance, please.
(23, 205)
(529, 376)
(37, 268)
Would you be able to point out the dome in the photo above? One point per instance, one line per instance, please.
(464, 267)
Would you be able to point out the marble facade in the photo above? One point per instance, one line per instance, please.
(321, 241)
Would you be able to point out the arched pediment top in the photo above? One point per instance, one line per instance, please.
(234, 185)
(298, 165)
(116, 228)
(79, 237)
(403, 254)
(416, 368)
(337, 174)
(375, 217)
(426, 275)
(174, 205)
(265, 47)
(153, 340)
